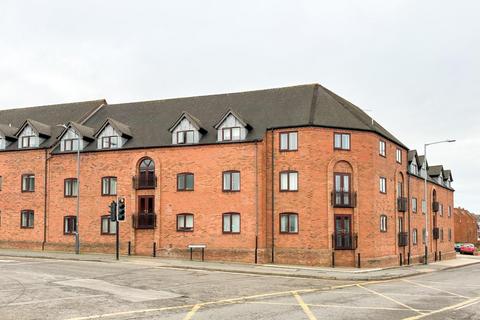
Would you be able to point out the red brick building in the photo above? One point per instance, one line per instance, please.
(466, 226)
(294, 175)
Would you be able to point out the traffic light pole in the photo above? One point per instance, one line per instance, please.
(117, 236)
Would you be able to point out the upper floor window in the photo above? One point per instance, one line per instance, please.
(185, 222)
(383, 185)
(413, 168)
(146, 174)
(289, 181)
(449, 234)
(288, 223)
(185, 181)
(424, 206)
(231, 181)
(1, 182)
(383, 223)
(28, 183)
(342, 195)
(108, 226)
(186, 130)
(69, 224)
(26, 220)
(109, 138)
(109, 186)
(440, 209)
(398, 156)
(288, 141)
(71, 187)
(414, 205)
(70, 141)
(231, 127)
(342, 141)
(424, 235)
(231, 222)
(382, 148)
(28, 138)
(449, 210)
(185, 136)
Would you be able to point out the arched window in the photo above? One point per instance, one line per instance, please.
(146, 174)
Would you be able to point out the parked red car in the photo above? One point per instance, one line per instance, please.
(467, 248)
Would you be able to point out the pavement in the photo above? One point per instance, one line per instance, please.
(97, 287)
(338, 273)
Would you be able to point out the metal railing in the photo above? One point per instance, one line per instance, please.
(148, 182)
(403, 239)
(344, 199)
(402, 204)
(344, 241)
(144, 220)
(436, 233)
(435, 206)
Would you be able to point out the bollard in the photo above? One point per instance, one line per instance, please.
(129, 248)
(408, 258)
(333, 259)
(440, 256)
(359, 260)
(435, 255)
(154, 249)
(401, 260)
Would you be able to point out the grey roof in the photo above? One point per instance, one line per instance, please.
(304, 105)
(420, 161)
(447, 174)
(122, 128)
(411, 155)
(44, 130)
(8, 131)
(434, 171)
(49, 116)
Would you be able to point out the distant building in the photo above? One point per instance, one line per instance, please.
(465, 225)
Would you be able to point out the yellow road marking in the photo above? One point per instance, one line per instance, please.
(433, 288)
(332, 306)
(391, 299)
(305, 308)
(467, 305)
(192, 312)
(455, 306)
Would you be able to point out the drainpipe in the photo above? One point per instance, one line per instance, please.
(409, 216)
(256, 202)
(45, 201)
(273, 198)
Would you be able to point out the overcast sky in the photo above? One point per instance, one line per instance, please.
(415, 64)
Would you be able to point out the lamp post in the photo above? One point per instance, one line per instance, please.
(77, 232)
(424, 167)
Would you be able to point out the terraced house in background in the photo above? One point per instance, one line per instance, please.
(288, 175)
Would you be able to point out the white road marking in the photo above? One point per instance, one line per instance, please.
(391, 299)
(433, 288)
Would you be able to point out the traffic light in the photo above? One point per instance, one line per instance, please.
(121, 209)
(113, 211)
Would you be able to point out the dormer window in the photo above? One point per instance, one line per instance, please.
(69, 141)
(112, 135)
(231, 127)
(185, 136)
(28, 138)
(186, 130)
(414, 168)
(75, 137)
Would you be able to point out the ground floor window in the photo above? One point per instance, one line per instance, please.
(288, 223)
(343, 233)
(415, 237)
(185, 222)
(424, 235)
(69, 224)
(26, 220)
(383, 223)
(108, 226)
(231, 223)
(449, 234)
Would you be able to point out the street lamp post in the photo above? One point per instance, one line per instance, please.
(424, 167)
(77, 232)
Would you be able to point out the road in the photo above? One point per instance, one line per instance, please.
(33, 288)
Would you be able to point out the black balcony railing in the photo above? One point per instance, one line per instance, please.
(436, 233)
(402, 204)
(344, 241)
(435, 206)
(403, 239)
(144, 220)
(144, 182)
(344, 199)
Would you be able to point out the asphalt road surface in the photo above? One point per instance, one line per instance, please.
(32, 288)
